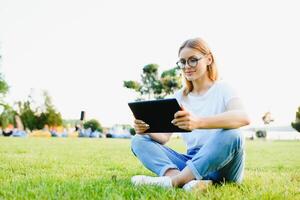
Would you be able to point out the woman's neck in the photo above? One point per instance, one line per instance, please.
(200, 86)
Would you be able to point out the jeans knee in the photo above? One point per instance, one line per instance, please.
(138, 142)
(234, 136)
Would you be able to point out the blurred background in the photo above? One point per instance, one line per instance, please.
(73, 56)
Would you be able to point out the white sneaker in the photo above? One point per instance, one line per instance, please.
(163, 181)
(197, 184)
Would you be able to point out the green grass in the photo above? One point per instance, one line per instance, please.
(77, 168)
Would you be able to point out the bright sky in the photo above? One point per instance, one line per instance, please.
(81, 51)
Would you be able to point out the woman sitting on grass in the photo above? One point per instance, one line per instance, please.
(212, 112)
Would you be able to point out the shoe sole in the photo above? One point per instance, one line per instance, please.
(203, 185)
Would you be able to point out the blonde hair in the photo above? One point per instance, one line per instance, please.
(200, 45)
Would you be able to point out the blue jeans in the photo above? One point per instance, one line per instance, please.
(220, 159)
(19, 133)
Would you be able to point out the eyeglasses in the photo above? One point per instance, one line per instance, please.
(191, 61)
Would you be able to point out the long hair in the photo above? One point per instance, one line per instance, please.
(201, 46)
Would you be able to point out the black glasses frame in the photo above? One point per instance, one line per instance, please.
(181, 65)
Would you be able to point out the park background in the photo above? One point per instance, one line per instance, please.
(81, 52)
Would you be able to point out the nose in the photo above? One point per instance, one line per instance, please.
(186, 66)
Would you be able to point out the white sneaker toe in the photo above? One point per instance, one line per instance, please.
(163, 181)
(197, 184)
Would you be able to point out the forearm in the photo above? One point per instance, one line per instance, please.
(227, 120)
(161, 138)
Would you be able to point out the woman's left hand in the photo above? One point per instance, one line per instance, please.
(185, 120)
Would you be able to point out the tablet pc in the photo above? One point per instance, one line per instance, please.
(157, 113)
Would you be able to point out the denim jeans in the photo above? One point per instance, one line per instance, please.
(220, 159)
(19, 133)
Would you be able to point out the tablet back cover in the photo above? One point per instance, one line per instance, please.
(157, 113)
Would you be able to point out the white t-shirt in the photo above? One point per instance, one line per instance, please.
(212, 102)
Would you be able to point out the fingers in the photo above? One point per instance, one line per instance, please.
(140, 126)
(182, 120)
(183, 125)
(181, 113)
(179, 120)
(141, 129)
(137, 121)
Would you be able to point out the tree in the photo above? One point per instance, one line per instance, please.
(153, 86)
(150, 82)
(133, 85)
(94, 125)
(42, 115)
(7, 116)
(296, 124)
(170, 81)
(28, 115)
(3, 85)
(8, 113)
(51, 116)
(132, 131)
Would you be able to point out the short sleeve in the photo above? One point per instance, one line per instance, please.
(229, 93)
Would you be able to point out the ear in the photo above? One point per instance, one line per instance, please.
(209, 60)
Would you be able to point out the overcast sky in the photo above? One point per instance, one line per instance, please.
(82, 51)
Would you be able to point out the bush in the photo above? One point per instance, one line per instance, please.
(27, 115)
(132, 131)
(94, 125)
(296, 124)
(7, 116)
(32, 119)
(261, 133)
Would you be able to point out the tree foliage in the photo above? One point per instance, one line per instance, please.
(7, 116)
(154, 86)
(296, 124)
(32, 119)
(28, 115)
(53, 118)
(133, 85)
(94, 125)
(170, 81)
(3, 86)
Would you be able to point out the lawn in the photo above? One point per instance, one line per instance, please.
(81, 168)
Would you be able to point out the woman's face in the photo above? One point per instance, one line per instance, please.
(195, 64)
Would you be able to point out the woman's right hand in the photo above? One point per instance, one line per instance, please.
(140, 126)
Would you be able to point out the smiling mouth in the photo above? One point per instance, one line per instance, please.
(189, 72)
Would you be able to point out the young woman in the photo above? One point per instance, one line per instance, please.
(212, 112)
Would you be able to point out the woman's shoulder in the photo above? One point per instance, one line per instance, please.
(227, 90)
(179, 94)
(223, 85)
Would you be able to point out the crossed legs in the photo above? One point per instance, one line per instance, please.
(221, 158)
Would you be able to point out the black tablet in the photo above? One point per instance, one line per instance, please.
(157, 113)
